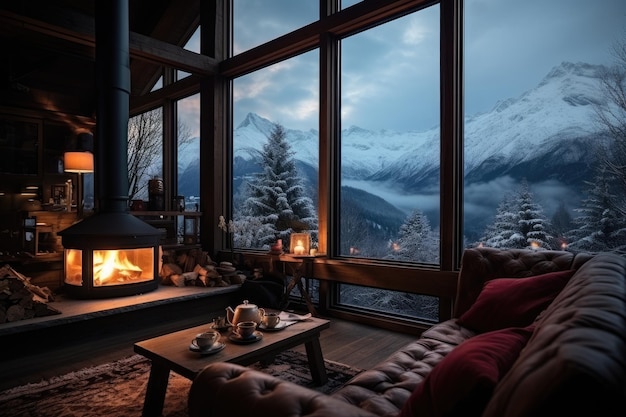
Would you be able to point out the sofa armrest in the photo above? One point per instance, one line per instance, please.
(229, 390)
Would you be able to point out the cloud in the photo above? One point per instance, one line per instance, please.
(189, 113)
(390, 73)
(416, 31)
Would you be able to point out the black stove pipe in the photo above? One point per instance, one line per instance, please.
(111, 226)
(113, 91)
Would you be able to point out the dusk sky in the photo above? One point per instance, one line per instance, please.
(509, 47)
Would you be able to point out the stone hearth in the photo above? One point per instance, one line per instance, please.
(75, 311)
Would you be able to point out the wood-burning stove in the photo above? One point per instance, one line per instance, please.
(111, 253)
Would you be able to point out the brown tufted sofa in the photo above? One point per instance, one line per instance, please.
(574, 363)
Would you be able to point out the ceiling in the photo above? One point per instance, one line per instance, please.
(47, 51)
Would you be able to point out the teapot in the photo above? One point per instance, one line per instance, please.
(245, 312)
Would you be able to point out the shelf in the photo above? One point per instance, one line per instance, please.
(166, 213)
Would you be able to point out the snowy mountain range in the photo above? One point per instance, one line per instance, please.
(544, 135)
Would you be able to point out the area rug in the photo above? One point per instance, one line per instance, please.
(118, 388)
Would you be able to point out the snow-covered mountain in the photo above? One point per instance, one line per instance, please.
(544, 134)
(554, 119)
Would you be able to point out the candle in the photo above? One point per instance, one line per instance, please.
(298, 249)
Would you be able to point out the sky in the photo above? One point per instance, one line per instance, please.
(390, 74)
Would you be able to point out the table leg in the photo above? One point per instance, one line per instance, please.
(155, 392)
(316, 361)
(307, 298)
(297, 275)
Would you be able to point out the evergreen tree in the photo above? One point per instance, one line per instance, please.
(502, 232)
(601, 227)
(532, 223)
(519, 223)
(416, 240)
(276, 204)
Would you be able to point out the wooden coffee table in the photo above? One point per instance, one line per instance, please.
(171, 353)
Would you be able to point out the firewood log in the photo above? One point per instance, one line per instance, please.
(170, 269)
(178, 280)
(15, 313)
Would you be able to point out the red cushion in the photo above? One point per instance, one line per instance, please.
(463, 382)
(513, 302)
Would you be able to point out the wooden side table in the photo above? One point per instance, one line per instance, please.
(301, 267)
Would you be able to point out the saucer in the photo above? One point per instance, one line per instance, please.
(281, 325)
(217, 346)
(220, 328)
(235, 338)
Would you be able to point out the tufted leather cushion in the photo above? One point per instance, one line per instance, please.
(575, 363)
(237, 391)
(384, 389)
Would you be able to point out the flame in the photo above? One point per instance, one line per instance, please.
(113, 265)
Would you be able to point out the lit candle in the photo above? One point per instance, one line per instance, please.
(298, 249)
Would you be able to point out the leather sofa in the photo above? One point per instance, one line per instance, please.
(574, 362)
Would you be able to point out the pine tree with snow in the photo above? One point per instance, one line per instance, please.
(533, 225)
(502, 233)
(601, 227)
(519, 223)
(416, 240)
(276, 196)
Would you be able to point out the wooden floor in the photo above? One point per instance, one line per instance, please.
(346, 342)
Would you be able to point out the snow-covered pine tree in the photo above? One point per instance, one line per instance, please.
(502, 232)
(276, 202)
(600, 227)
(533, 225)
(416, 240)
(519, 222)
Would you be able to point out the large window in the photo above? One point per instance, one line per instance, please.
(276, 152)
(390, 140)
(539, 118)
(407, 179)
(145, 153)
(188, 150)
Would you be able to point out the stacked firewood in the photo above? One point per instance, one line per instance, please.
(21, 300)
(193, 268)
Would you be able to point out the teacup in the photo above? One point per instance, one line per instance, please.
(245, 329)
(207, 339)
(271, 320)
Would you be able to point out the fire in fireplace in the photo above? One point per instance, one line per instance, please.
(122, 259)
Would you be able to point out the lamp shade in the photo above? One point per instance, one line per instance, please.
(81, 162)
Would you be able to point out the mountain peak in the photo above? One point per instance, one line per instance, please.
(580, 69)
(254, 120)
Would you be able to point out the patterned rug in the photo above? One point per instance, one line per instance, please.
(117, 389)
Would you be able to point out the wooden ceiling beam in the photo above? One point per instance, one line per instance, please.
(141, 47)
(176, 91)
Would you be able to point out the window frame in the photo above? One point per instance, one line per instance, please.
(326, 35)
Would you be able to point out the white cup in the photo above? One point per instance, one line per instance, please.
(271, 320)
(206, 339)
